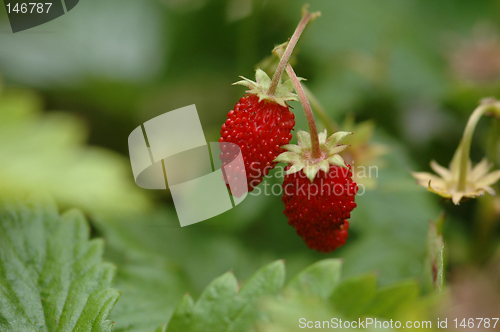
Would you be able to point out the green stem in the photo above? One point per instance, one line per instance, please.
(330, 125)
(494, 138)
(465, 143)
(288, 51)
(313, 130)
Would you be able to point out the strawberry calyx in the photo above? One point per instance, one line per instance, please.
(300, 156)
(261, 86)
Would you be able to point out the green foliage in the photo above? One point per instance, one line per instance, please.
(353, 299)
(158, 261)
(60, 283)
(151, 287)
(318, 279)
(51, 276)
(354, 295)
(221, 307)
(392, 298)
(45, 153)
(389, 61)
(315, 293)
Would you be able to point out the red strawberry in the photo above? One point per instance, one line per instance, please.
(259, 124)
(319, 194)
(319, 210)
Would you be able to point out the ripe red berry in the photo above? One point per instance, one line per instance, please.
(259, 128)
(259, 124)
(318, 191)
(319, 209)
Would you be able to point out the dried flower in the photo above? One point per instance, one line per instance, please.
(446, 182)
(461, 179)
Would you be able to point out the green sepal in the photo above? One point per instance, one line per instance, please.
(262, 78)
(311, 171)
(336, 138)
(292, 148)
(299, 156)
(337, 160)
(260, 88)
(288, 157)
(295, 168)
(304, 139)
(338, 149)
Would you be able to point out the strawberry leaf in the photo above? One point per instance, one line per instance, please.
(353, 295)
(392, 298)
(318, 279)
(350, 300)
(156, 264)
(51, 275)
(182, 317)
(222, 308)
(262, 304)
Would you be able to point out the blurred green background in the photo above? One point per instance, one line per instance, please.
(74, 88)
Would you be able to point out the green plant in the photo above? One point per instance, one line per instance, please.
(386, 70)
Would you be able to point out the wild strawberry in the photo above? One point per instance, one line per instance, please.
(259, 124)
(318, 193)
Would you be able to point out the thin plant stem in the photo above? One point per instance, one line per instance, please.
(288, 51)
(318, 109)
(465, 144)
(313, 130)
(494, 138)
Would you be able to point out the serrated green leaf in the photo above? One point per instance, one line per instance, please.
(285, 314)
(269, 280)
(182, 317)
(156, 265)
(151, 288)
(354, 299)
(300, 307)
(214, 307)
(51, 276)
(392, 299)
(319, 279)
(352, 296)
(222, 308)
